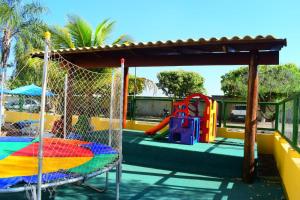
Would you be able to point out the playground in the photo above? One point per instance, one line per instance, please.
(151, 170)
(85, 145)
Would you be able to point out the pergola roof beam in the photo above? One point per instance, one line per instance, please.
(88, 60)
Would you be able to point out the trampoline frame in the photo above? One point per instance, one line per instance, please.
(116, 164)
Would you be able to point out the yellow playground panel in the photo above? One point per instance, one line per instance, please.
(97, 123)
(212, 122)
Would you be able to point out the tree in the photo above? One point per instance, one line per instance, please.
(180, 83)
(20, 25)
(275, 83)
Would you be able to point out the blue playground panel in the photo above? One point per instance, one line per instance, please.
(184, 130)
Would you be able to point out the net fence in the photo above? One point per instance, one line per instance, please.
(82, 127)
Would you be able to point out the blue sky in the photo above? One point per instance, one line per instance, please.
(181, 19)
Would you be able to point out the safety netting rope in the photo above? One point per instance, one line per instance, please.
(82, 127)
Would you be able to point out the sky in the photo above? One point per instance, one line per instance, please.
(152, 20)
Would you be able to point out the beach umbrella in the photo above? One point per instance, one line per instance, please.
(5, 91)
(29, 90)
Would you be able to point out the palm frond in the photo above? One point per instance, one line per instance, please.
(5, 11)
(8, 15)
(61, 37)
(32, 10)
(123, 39)
(98, 40)
(80, 31)
(103, 31)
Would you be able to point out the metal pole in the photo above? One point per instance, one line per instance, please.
(125, 82)
(42, 116)
(111, 108)
(110, 122)
(295, 121)
(135, 89)
(134, 95)
(283, 119)
(276, 116)
(34, 197)
(65, 106)
(119, 166)
(118, 180)
(224, 114)
(2, 96)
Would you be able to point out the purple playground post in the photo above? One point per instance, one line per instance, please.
(184, 130)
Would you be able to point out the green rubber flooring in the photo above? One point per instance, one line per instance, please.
(223, 158)
(163, 171)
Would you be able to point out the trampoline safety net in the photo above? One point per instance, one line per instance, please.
(82, 127)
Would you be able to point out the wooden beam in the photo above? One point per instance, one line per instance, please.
(125, 98)
(240, 58)
(251, 120)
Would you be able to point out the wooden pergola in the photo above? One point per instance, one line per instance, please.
(224, 51)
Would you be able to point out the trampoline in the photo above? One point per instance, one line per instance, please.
(18, 159)
(76, 135)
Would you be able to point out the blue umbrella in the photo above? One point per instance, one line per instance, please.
(5, 91)
(30, 90)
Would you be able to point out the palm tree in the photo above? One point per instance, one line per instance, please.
(20, 27)
(79, 33)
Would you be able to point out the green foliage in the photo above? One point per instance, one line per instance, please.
(21, 30)
(138, 84)
(20, 27)
(180, 83)
(275, 82)
(76, 33)
(32, 71)
(83, 125)
(79, 33)
(27, 74)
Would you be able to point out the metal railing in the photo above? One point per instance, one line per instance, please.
(280, 116)
(288, 120)
(154, 109)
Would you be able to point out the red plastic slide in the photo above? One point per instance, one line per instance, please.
(161, 125)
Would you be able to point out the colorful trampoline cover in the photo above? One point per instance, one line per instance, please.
(62, 159)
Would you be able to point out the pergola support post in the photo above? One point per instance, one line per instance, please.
(125, 92)
(251, 120)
